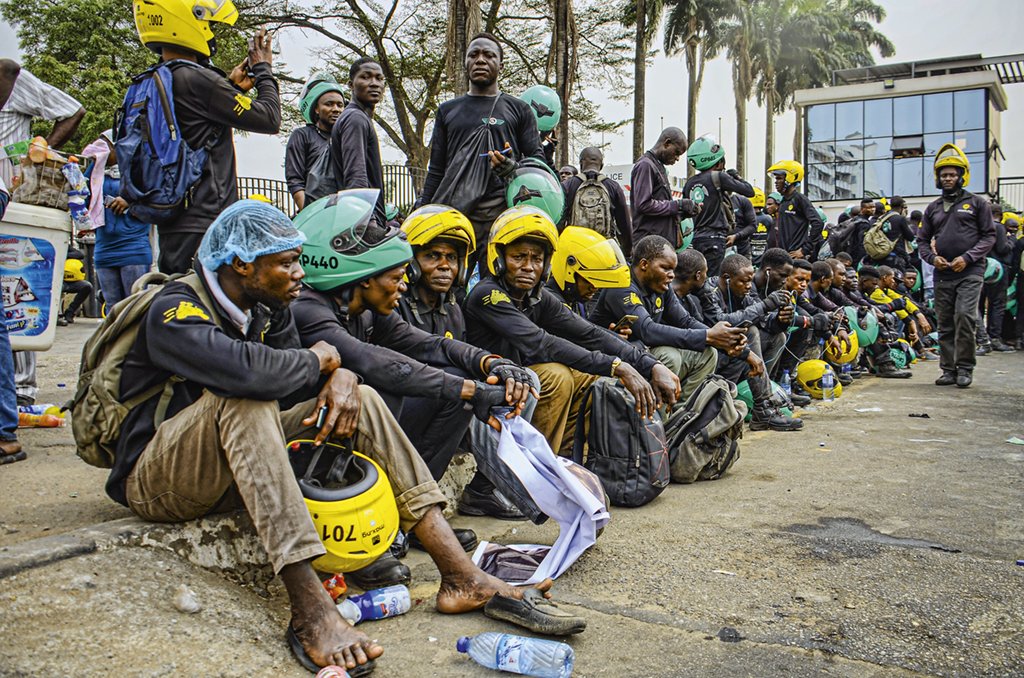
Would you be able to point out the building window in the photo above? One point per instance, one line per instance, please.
(883, 147)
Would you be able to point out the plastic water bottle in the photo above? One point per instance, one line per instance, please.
(847, 368)
(377, 604)
(786, 383)
(77, 195)
(827, 386)
(516, 654)
(332, 671)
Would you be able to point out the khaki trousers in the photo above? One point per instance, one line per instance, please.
(692, 367)
(561, 390)
(222, 453)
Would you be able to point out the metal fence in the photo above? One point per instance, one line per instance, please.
(1011, 191)
(402, 185)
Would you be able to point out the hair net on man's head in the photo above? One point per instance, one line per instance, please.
(247, 229)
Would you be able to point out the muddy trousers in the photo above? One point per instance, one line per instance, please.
(956, 308)
(561, 392)
(220, 454)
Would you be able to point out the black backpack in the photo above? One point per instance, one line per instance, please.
(627, 452)
(703, 435)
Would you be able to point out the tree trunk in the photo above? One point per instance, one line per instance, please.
(769, 134)
(639, 78)
(564, 40)
(464, 21)
(741, 122)
(798, 134)
(691, 92)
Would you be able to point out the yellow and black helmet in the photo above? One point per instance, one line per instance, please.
(950, 155)
(182, 23)
(791, 171)
(517, 223)
(588, 254)
(810, 372)
(440, 222)
(350, 501)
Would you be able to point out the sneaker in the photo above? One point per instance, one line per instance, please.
(947, 379)
(983, 349)
(844, 379)
(62, 321)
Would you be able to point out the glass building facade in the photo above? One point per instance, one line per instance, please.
(885, 147)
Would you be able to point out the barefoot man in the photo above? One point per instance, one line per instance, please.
(215, 439)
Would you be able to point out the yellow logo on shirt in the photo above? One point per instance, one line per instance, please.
(496, 297)
(761, 228)
(448, 334)
(242, 104)
(967, 206)
(185, 309)
(633, 299)
(657, 302)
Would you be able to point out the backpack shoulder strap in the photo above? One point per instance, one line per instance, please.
(581, 419)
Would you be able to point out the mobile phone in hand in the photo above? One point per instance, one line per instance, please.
(624, 322)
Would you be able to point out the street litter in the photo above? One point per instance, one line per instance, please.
(185, 600)
(725, 572)
(922, 415)
(868, 409)
(1014, 440)
(926, 440)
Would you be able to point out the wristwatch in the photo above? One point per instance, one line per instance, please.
(615, 365)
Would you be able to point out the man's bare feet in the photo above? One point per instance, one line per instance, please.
(329, 639)
(324, 634)
(465, 594)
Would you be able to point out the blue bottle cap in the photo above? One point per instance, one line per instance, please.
(462, 644)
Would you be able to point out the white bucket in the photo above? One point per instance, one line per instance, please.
(33, 246)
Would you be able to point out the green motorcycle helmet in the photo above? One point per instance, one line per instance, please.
(536, 185)
(867, 330)
(704, 153)
(993, 270)
(317, 86)
(343, 244)
(390, 211)
(1011, 298)
(546, 106)
(686, 230)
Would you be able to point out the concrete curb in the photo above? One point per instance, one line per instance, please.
(225, 543)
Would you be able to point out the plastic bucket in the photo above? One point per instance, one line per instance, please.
(33, 246)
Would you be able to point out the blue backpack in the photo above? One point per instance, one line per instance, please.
(158, 168)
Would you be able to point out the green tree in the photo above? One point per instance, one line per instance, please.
(694, 27)
(738, 35)
(645, 17)
(90, 49)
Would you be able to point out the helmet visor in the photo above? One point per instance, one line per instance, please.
(356, 232)
(221, 11)
(603, 265)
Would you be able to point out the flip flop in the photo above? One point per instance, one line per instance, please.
(534, 613)
(310, 665)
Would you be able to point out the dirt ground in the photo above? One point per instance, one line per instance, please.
(869, 544)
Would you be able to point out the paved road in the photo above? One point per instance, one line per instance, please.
(871, 543)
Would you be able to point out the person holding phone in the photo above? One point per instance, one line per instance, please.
(681, 342)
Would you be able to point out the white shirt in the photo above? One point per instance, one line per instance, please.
(237, 316)
(30, 98)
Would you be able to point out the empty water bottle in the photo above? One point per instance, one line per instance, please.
(827, 385)
(516, 654)
(77, 195)
(377, 604)
(786, 383)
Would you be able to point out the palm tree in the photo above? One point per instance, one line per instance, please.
(738, 36)
(694, 28)
(645, 15)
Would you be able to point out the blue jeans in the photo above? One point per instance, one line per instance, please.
(8, 398)
(116, 283)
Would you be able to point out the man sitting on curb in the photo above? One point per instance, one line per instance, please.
(681, 342)
(246, 388)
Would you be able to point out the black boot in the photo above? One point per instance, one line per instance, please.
(998, 345)
(765, 417)
(947, 379)
(467, 540)
(963, 378)
(890, 371)
(493, 504)
(385, 571)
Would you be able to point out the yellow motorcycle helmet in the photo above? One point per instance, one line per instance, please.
(350, 501)
(791, 170)
(516, 223)
(588, 254)
(758, 199)
(950, 155)
(433, 222)
(810, 372)
(74, 270)
(842, 357)
(182, 23)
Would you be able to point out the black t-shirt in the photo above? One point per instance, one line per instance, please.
(305, 145)
(355, 154)
(459, 118)
(700, 188)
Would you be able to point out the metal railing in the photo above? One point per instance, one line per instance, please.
(402, 185)
(1010, 190)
